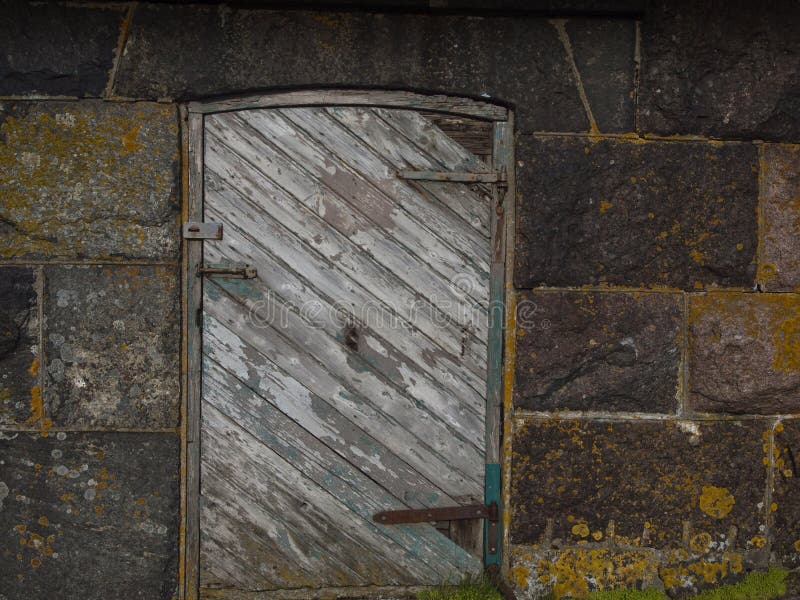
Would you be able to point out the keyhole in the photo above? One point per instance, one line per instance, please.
(351, 337)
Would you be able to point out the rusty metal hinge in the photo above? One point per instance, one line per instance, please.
(229, 271)
(196, 230)
(448, 513)
(454, 176)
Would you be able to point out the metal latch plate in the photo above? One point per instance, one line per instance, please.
(196, 230)
(228, 271)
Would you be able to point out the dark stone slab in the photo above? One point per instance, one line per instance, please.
(779, 269)
(89, 515)
(112, 339)
(20, 385)
(786, 494)
(88, 179)
(604, 51)
(635, 213)
(516, 60)
(56, 50)
(648, 477)
(721, 69)
(598, 351)
(744, 353)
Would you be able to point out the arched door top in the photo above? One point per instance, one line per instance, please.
(385, 98)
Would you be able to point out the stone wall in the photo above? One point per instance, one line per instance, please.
(651, 428)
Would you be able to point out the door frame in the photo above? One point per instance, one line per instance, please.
(501, 298)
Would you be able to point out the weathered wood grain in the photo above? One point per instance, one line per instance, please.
(299, 240)
(415, 358)
(316, 415)
(425, 102)
(318, 463)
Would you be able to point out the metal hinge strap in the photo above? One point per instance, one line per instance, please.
(446, 513)
(454, 176)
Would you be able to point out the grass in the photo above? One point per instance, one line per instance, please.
(755, 586)
(471, 588)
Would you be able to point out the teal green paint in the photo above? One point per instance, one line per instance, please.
(492, 494)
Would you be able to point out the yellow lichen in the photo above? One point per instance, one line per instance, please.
(604, 206)
(716, 502)
(580, 529)
(787, 346)
(520, 576)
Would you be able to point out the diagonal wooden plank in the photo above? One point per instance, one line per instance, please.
(361, 193)
(350, 486)
(377, 355)
(325, 288)
(352, 205)
(262, 475)
(393, 144)
(348, 148)
(448, 429)
(323, 249)
(319, 418)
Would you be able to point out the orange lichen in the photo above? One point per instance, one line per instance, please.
(716, 502)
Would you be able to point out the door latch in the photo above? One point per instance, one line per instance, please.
(230, 272)
(195, 230)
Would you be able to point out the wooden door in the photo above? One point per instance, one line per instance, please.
(350, 376)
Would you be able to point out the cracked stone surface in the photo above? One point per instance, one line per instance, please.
(112, 339)
(55, 50)
(713, 69)
(518, 60)
(88, 180)
(635, 213)
(598, 351)
(786, 493)
(20, 386)
(779, 269)
(89, 515)
(744, 353)
(647, 476)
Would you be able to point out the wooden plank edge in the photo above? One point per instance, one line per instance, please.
(384, 98)
(193, 294)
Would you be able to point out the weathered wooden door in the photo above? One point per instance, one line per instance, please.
(349, 376)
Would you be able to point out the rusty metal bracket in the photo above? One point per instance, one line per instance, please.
(446, 513)
(196, 230)
(231, 272)
(454, 176)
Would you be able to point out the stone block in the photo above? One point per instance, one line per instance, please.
(779, 267)
(50, 49)
(721, 70)
(89, 180)
(519, 60)
(629, 212)
(744, 353)
(575, 572)
(604, 51)
(112, 340)
(89, 515)
(654, 484)
(20, 383)
(785, 506)
(598, 351)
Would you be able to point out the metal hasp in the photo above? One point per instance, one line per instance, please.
(232, 272)
(196, 230)
(454, 176)
(490, 512)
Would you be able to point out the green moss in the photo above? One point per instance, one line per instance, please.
(756, 586)
(471, 588)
